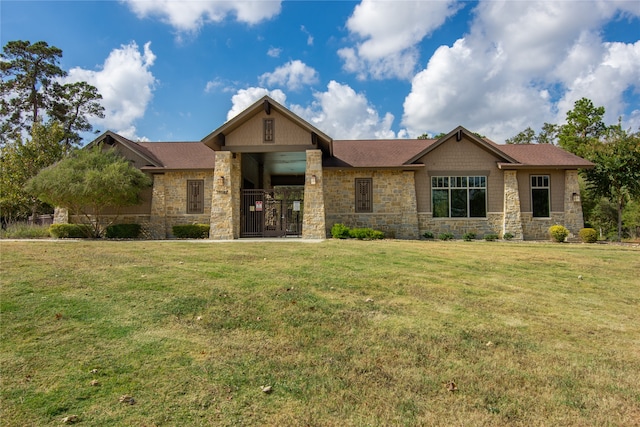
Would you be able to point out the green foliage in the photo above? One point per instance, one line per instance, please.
(428, 235)
(366, 234)
(123, 231)
(70, 231)
(191, 231)
(490, 237)
(588, 235)
(583, 128)
(631, 218)
(527, 136)
(507, 236)
(469, 236)
(446, 236)
(25, 231)
(89, 182)
(558, 233)
(340, 231)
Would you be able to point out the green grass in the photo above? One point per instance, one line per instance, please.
(348, 333)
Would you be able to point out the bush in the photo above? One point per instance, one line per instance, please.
(428, 235)
(25, 231)
(558, 233)
(445, 236)
(588, 235)
(508, 236)
(70, 231)
(467, 237)
(491, 237)
(340, 231)
(123, 231)
(191, 231)
(366, 234)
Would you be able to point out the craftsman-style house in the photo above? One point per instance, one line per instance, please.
(269, 173)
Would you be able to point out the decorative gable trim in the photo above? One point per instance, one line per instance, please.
(110, 138)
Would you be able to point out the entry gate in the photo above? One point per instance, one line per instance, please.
(272, 213)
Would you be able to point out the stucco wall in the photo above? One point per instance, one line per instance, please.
(394, 201)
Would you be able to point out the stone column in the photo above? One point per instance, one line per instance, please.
(573, 217)
(158, 217)
(225, 208)
(512, 219)
(409, 228)
(61, 216)
(313, 221)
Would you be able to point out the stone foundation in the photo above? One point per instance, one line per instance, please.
(459, 226)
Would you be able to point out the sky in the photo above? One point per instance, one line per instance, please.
(177, 70)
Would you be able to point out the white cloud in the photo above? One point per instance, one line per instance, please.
(274, 52)
(345, 114)
(126, 84)
(390, 32)
(309, 36)
(244, 98)
(190, 16)
(294, 75)
(522, 64)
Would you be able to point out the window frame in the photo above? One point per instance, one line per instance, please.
(453, 196)
(268, 130)
(364, 195)
(538, 187)
(195, 203)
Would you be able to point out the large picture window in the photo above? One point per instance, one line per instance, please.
(195, 196)
(459, 196)
(364, 195)
(540, 196)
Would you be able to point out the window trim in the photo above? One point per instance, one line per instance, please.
(540, 178)
(195, 206)
(459, 183)
(364, 199)
(268, 130)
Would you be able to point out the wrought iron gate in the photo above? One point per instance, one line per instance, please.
(272, 213)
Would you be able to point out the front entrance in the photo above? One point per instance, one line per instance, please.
(272, 213)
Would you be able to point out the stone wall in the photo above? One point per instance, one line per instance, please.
(313, 221)
(394, 201)
(512, 222)
(493, 224)
(225, 198)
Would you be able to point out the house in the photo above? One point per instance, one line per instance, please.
(269, 173)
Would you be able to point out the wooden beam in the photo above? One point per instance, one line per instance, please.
(267, 107)
(221, 139)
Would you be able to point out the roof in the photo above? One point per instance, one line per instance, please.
(180, 155)
(530, 156)
(379, 153)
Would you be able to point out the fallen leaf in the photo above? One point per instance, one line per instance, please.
(266, 389)
(70, 419)
(451, 386)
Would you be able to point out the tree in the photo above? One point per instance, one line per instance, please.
(74, 103)
(527, 136)
(28, 71)
(89, 182)
(584, 127)
(22, 161)
(616, 174)
(548, 134)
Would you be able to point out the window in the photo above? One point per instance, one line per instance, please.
(540, 196)
(364, 195)
(268, 127)
(195, 196)
(459, 196)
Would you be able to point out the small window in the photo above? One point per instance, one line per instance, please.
(195, 196)
(364, 195)
(269, 130)
(540, 199)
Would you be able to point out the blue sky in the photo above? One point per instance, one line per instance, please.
(176, 70)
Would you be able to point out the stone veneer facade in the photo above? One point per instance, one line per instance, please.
(225, 200)
(313, 221)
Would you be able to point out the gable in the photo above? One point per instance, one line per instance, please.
(460, 155)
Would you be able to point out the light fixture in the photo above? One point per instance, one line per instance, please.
(313, 180)
(221, 181)
(575, 197)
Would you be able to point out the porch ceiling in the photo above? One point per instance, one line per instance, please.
(284, 163)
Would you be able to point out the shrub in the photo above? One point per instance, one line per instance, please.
(25, 231)
(491, 237)
(445, 236)
(428, 235)
(123, 231)
(558, 233)
(340, 231)
(366, 234)
(191, 231)
(70, 231)
(467, 237)
(508, 236)
(588, 235)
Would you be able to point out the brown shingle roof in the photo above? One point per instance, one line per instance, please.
(180, 155)
(375, 152)
(541, 155)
